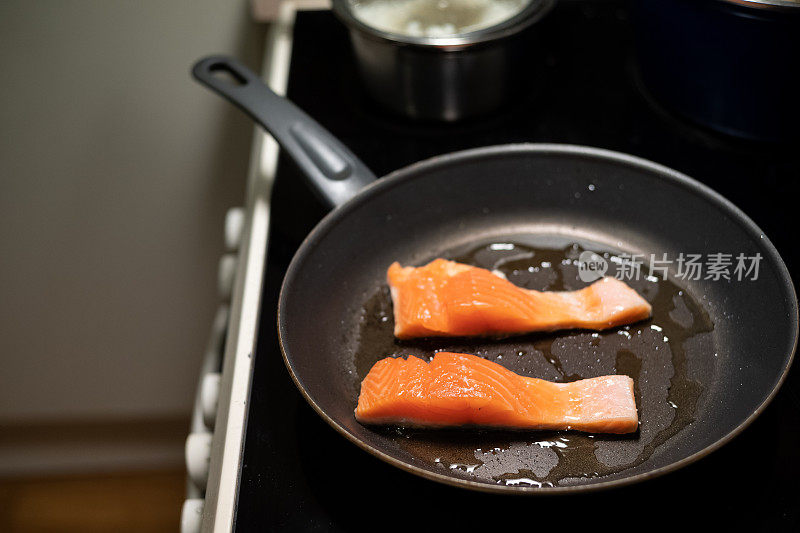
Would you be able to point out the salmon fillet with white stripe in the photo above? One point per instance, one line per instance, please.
(465, 390)
(449, 299)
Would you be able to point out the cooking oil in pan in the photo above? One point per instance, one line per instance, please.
(652, 352)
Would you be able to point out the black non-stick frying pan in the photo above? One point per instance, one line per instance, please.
(709, 361)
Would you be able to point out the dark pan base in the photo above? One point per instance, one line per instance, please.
(456, 202)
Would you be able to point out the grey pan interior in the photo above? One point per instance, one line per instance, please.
(521, 192)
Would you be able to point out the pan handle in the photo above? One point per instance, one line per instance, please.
(332, 170)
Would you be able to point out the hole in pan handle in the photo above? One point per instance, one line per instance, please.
(333, 171)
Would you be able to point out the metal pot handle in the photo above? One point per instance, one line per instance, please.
(332, 170)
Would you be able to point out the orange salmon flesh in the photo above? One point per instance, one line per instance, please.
(465, 390)
(449, 299)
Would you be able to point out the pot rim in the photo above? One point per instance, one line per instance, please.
(766, 4)
(531, 13)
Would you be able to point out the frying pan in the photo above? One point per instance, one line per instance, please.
(708, 363)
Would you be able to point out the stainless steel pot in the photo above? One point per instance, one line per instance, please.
(441, 78)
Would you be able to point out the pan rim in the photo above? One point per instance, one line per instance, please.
(663, 172)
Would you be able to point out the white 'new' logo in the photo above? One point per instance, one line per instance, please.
(591, 266)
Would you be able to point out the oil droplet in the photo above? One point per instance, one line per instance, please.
(466, 468)
(551, 444)
(526, 481)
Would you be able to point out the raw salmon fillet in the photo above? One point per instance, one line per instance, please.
(449, 299)
(459, 389)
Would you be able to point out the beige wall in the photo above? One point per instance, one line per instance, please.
(115, 174)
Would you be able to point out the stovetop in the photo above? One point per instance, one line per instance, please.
(298, 474)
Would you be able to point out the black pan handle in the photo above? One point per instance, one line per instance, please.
(333, 171)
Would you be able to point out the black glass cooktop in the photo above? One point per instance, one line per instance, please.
(298, 474)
